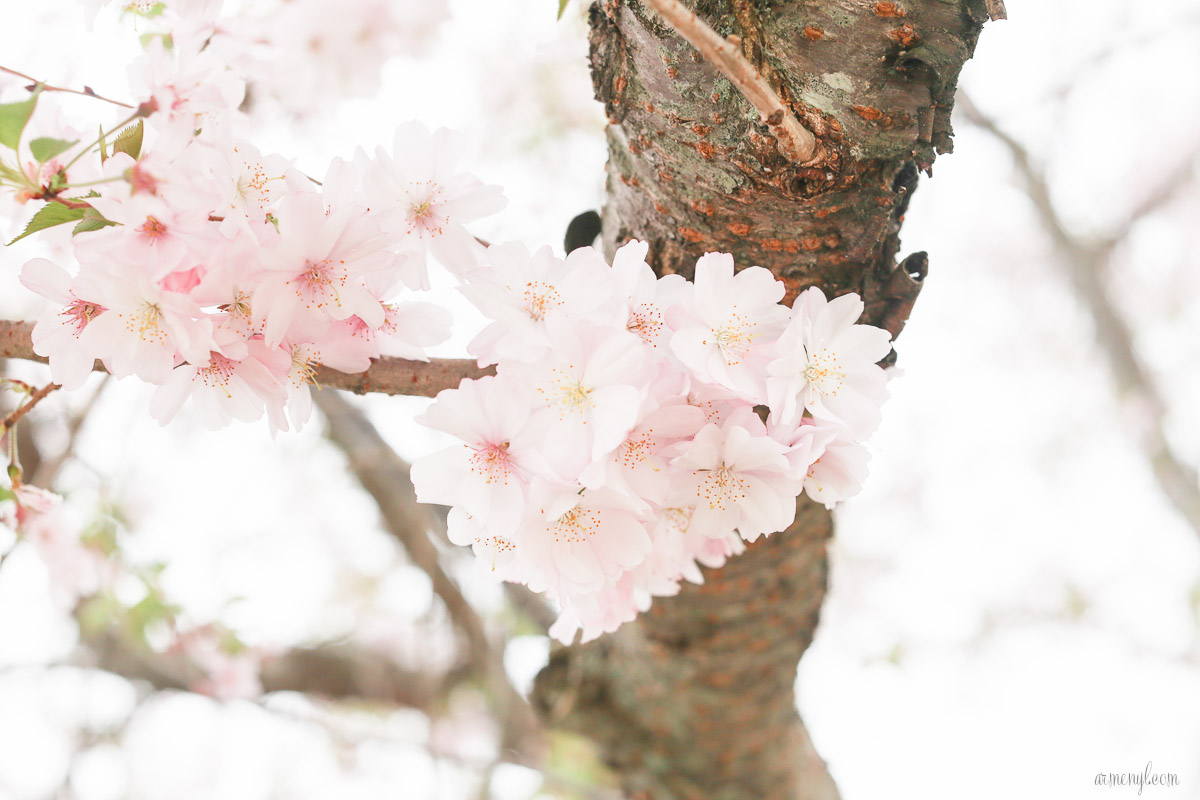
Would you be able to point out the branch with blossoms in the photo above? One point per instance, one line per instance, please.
(386, 375)
(635, 427)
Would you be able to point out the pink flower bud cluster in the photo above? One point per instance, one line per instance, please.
(83, 565)
(222, 274)
(56, 532)
(638, 427)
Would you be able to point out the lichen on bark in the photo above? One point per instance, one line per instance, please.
(696, 698)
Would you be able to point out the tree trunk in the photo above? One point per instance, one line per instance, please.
(695, 699)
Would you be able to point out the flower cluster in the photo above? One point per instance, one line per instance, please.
(638, 427)
(221, 273)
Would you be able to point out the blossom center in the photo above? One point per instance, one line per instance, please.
(492, 462)
(318, 284)
(152, 228)
(568, 393)
(81, 312)
(423, 216)
(734, 338)
(635, 450)
(217, 373)
(824, 372)
(576, 526)
(722, 488)
(303, 370)
(146, 322)
(539, 298)
(645, 321)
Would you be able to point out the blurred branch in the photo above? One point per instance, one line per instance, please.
(385, 476)
(386, 375)
(1086, 266)
(1167, 190)
(337, 672)
(47, 469)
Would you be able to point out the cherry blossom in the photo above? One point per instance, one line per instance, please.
(740, 478)
(723, 334)
(424, 201)
(316, 266)
(487, 474)
(827, 364)
(521, 292)
(61, 332)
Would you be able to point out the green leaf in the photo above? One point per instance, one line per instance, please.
(92, 220)
(44, 148)
(129, 141)
(103, 147)
(562, 6)
(12, 175)
(6, 494)
(48, 216)
(102, 536)
(14, 117)
(96, 613)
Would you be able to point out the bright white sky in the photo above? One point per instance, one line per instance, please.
(1014, 606)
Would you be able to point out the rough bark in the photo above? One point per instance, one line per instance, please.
(696, 699)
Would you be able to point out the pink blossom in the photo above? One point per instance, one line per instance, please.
(145, 329)
(425, 201)
(739, 478)
(54, 530)
(60, 331)
(826, 364)
(316, 265)
(724, 334)
(521, 293)
(839, 472)
(590, 392)
(487, 474)
(574, 544)
(645, 298)
(224, 388)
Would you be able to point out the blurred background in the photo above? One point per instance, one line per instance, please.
(1015, 601)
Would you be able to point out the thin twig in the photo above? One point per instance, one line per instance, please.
(1086, 264)
(795, 141)
(87, 90)
(386, 375)
(36, 397)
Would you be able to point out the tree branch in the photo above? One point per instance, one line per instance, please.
(336, 672)
(386, 376)
(35, 397)
(1086, 266)
(384, 475)
(795, 141)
